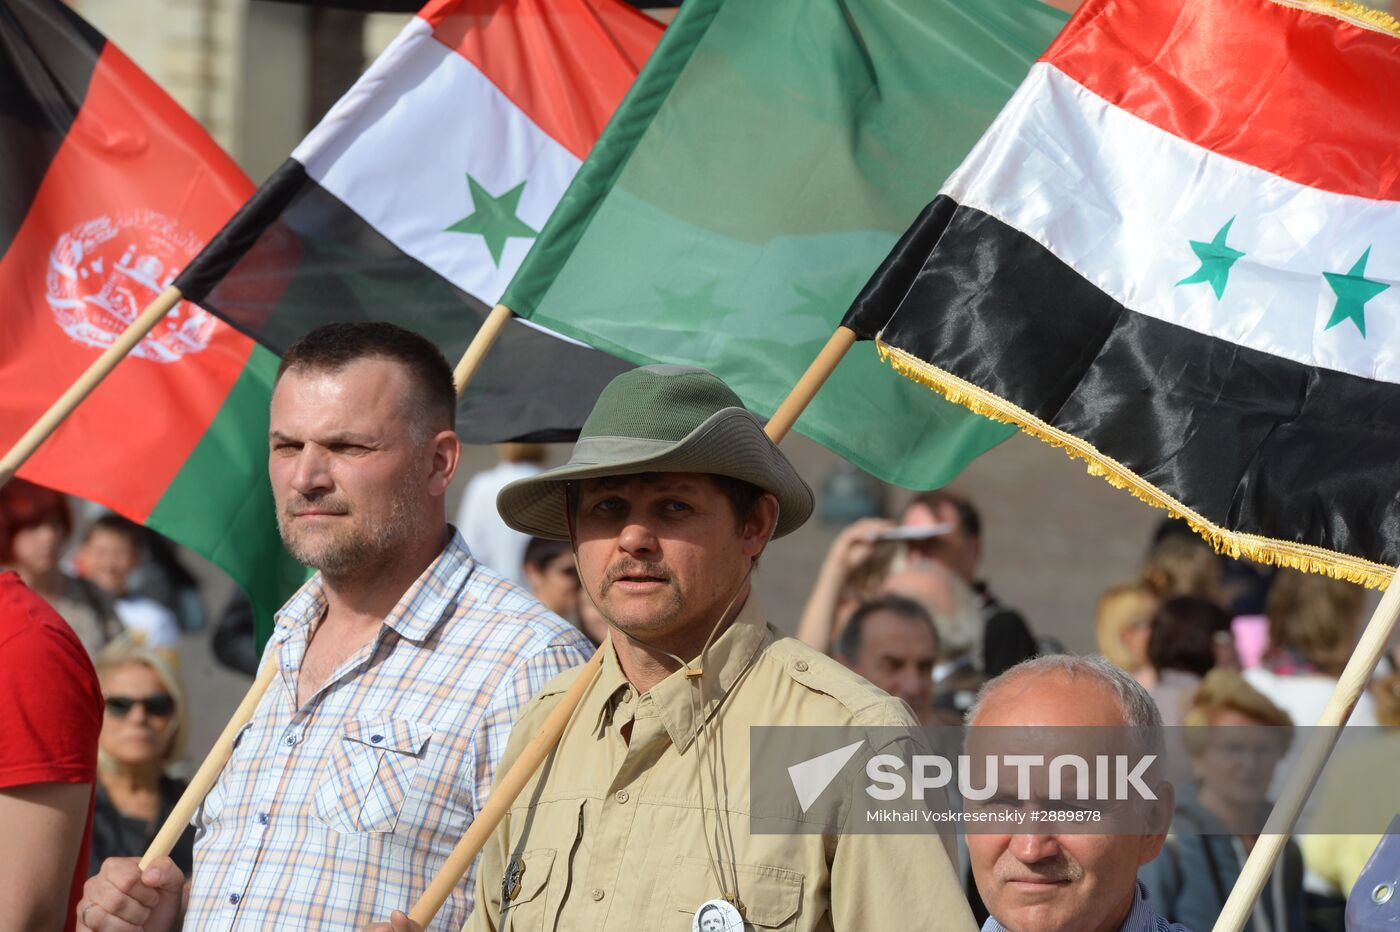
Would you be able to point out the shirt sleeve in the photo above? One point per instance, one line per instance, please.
(495, 731)
(511, 697)
(50, 709)
(879, 880)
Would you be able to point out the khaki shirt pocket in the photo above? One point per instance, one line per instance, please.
(771, 896)
(528, 903)
(369, 773)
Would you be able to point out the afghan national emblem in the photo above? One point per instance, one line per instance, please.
(103, 273)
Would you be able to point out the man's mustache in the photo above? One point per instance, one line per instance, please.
(299, 503)
(1056, 868)
(634, 568)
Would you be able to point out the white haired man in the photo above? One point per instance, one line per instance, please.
(1045, 881)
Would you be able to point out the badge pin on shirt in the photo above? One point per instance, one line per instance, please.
(510, 883)
(717, 916)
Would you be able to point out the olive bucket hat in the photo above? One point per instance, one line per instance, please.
(661, 419)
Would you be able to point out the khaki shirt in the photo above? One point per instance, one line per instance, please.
(614, 840)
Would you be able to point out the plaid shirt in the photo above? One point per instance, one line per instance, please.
(331, 815)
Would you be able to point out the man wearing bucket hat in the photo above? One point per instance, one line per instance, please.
(640, 819)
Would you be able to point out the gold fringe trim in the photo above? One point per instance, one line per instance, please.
(1358, 14)
(1303, 557)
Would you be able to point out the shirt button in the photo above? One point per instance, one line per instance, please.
(262, 818)
(627, 694)
(289, 740)
(233, 899)
(597, 894)
(375, 739)
(800, 666)
(622, 796)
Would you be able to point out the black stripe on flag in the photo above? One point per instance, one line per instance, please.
(47, 56)
(296, 257)
(1255, 443)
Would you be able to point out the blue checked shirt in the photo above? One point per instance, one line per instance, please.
(1141, 918)
(334, 814)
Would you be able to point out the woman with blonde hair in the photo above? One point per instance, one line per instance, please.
(144, 729)
(1235, 738)
(1184, 564)
(1122, 625)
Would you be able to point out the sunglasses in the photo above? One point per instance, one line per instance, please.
(161, 706)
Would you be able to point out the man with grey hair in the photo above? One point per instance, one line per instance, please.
(1044, 881)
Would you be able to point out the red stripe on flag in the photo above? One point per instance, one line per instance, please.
(565, 63)
(132, 194)
(1300, 94)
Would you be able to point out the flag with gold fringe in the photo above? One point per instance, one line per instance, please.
(1175, 255)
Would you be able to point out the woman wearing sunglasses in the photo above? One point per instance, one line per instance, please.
(143, 729)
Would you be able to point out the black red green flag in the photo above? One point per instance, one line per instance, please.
(108, 189)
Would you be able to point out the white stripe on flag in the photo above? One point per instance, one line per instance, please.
(398, 147)
(1120, 200)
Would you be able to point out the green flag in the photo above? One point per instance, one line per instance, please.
(762, 165)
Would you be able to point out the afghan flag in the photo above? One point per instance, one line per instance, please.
(417, 197)
(1175, 255)
(108, 190)
(766, 160)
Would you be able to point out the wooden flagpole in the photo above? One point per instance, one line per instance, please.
(203, 780)
(545, 740)
(503, 796)
(101, 367)
(213, 765)
(812, 380)
(1353, 681)
(486, 337)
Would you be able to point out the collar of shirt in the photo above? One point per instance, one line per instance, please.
(726, 660)
(418, 612)
(1141, 917)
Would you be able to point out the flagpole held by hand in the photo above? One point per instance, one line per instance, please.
(208, 772)
(101, 367)
(1318, 748)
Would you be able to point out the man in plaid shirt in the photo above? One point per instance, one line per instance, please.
(403, 664)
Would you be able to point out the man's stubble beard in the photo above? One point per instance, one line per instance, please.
(346, 554)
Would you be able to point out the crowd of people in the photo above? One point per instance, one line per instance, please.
(417, 663)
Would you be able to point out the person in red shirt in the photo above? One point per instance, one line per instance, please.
(50, 719)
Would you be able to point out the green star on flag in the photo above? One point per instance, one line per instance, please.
(1353, 290)
(494, 219)
(1216, 260)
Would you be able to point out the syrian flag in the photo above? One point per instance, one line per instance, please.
(1176, 255)
(419, 194)
(108, 189)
